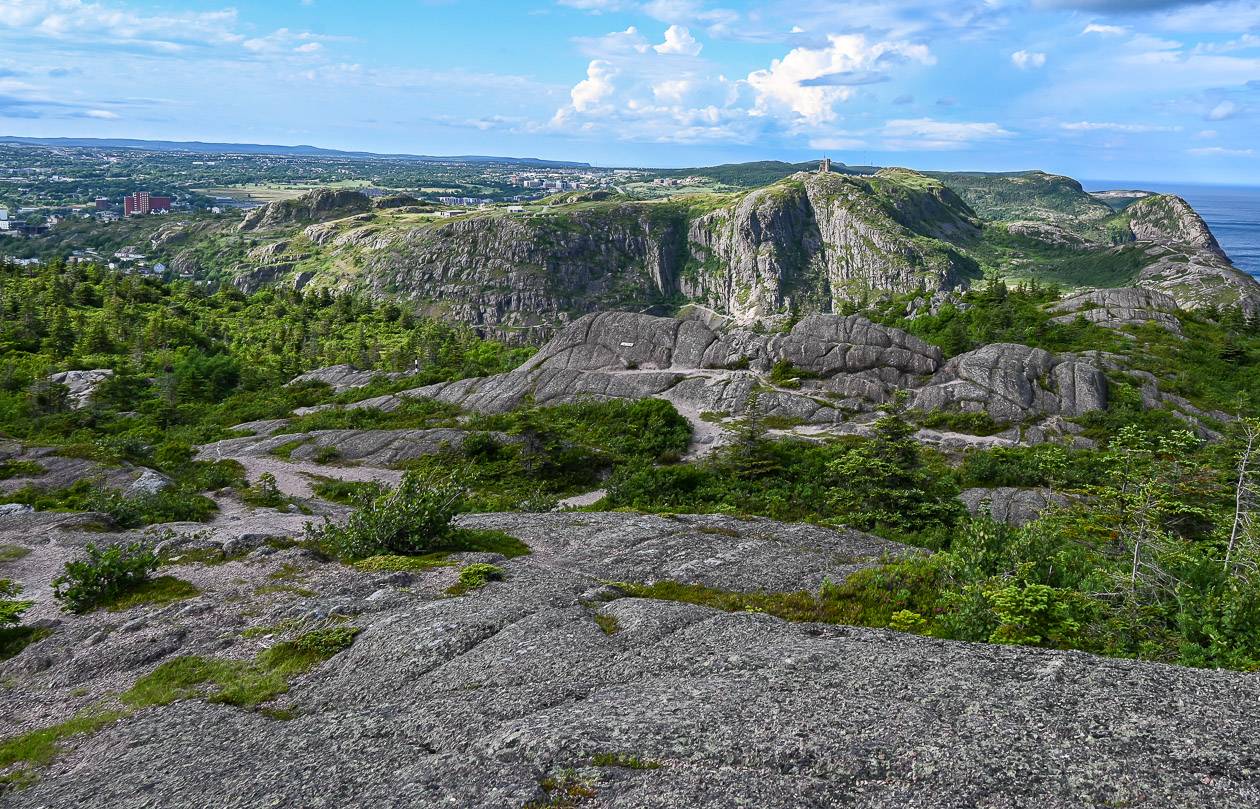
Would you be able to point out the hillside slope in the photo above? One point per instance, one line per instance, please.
(807, 243)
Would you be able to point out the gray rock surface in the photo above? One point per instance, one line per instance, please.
(847, 367)
(478, 700)
(342, 378)
(1114, 308)
(1011, 505)
(81, 384)
(1015, 383)
(380, 448)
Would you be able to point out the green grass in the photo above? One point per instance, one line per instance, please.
(485, 541)
(608, 623)
(201, 556)
(345, 492)
(38, 747)
(20, 469)
(12, 553)
(474, 576)
(160, 590)
(241, 683)
(270, 589)
(285, 450)
(387, 563)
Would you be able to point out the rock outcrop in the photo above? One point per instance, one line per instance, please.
(1114, 308)
(1015, 383)
(828, 371)
(81, 385)
(377, 448)
(1168, 219)
(342, 378)
(1010, 505)
(513, 694)
(315, 206)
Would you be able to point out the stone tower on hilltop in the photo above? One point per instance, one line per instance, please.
(824, 166)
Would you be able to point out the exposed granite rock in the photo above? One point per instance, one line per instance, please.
(1013, 383)
(1114, 308)
(1010, 505)
(1168, 219)
(342, 378)
(149, 482)
(1197, 278)
(315, 206)
(1051, 234)
(81, 384)
(382, 448)
(476, 700)
(847, 366)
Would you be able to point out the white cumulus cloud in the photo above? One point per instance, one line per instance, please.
(802, 81)
(1028, 60)
(679, 40)
(597, 86)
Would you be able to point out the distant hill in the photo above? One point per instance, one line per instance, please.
(200, 147)
(759, 172)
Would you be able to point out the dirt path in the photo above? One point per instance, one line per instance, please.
(294, 477)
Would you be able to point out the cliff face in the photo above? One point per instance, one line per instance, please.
(815, 240)
(806, 243)
(515, 273)
(1168, 219)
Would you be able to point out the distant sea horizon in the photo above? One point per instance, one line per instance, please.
(1231, 211)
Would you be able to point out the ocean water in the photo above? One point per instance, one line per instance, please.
(1231, 211)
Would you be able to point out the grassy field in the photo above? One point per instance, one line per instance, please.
(271, 192)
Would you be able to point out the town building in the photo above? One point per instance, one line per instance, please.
(142, 202)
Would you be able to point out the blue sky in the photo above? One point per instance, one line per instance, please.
(1123, 89)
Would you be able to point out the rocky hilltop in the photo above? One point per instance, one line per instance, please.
(553, 686)
(808, 243)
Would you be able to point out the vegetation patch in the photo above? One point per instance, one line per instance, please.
(153, 592)
(391, 563)
(12, 553)
(20, 469)
(105, 577)
(476, 575)
(245, 684)
(625, 760)
(608, 623)
(169, 505)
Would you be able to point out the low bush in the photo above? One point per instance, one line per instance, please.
(104, 576)
(413, 519)
(172, 504)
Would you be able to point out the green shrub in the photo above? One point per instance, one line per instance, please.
(264, 493)
(172, 504)
(20, 469)
(103, 576)
(10, 608)
(413, 519)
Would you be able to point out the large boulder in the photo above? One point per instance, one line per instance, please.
(81, 385)
(1011, 505)
(1114, 308)
(1014, 383)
